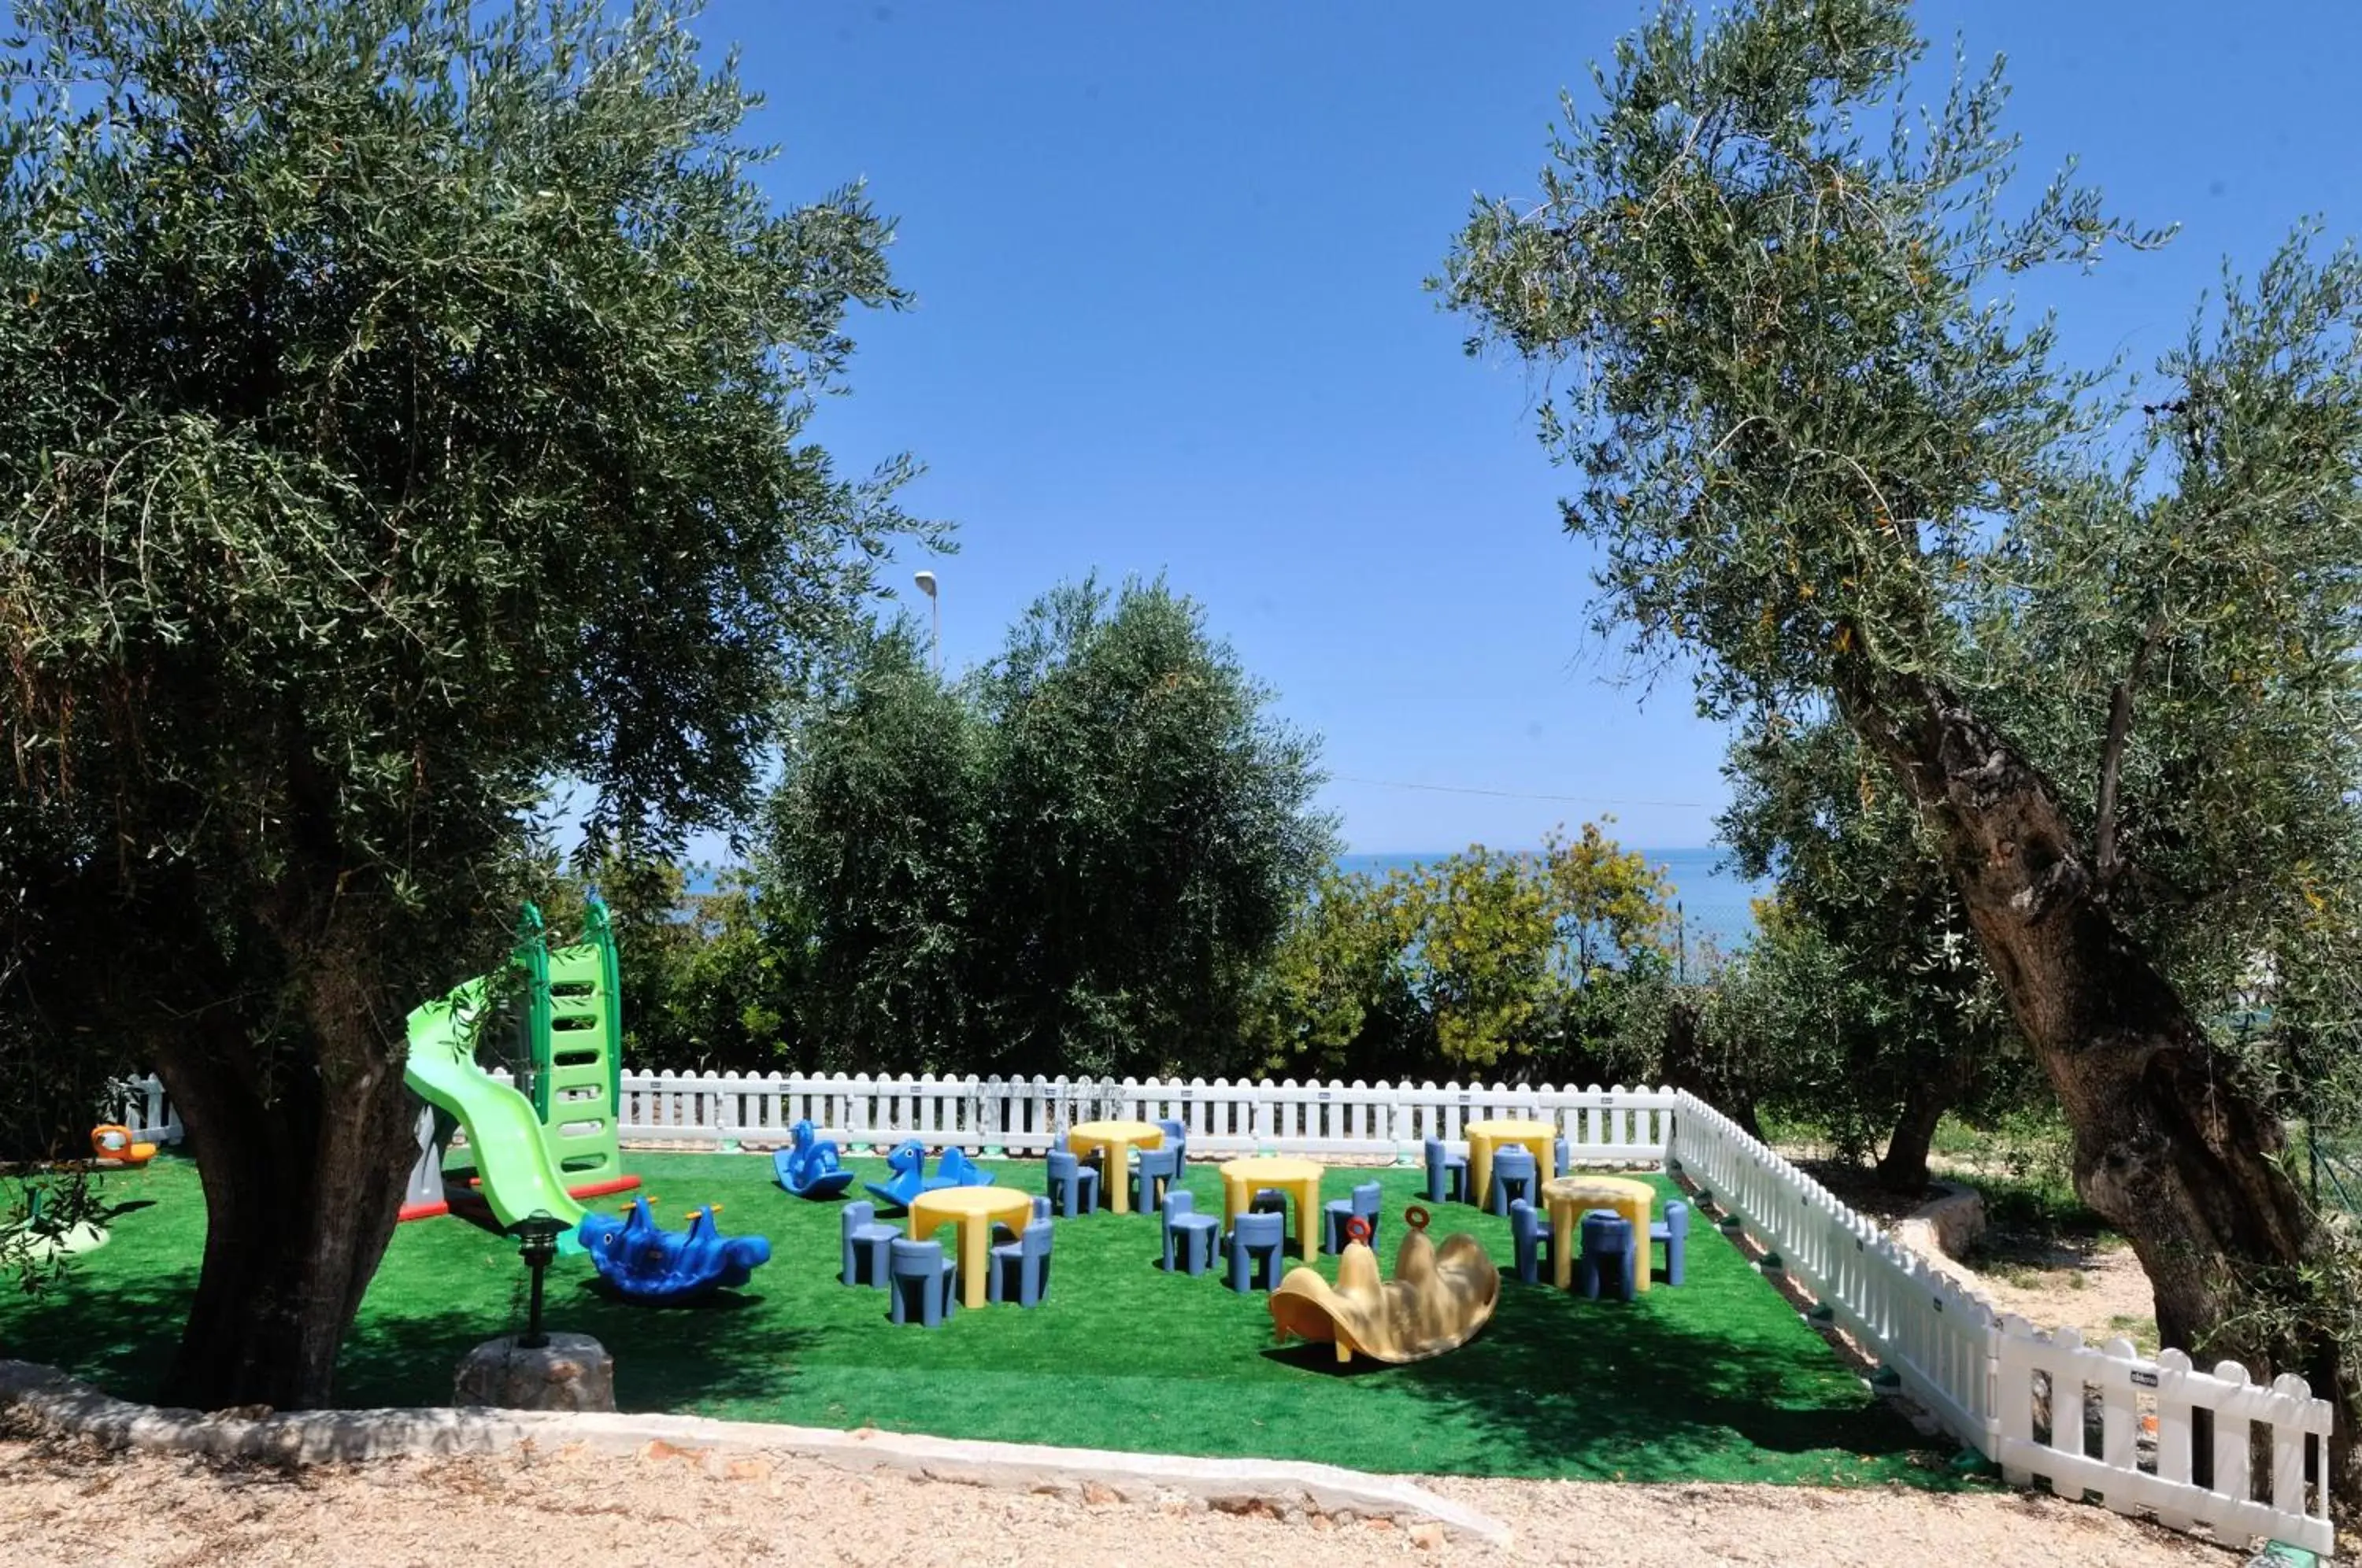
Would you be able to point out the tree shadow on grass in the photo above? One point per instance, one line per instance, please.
(1685, 1382)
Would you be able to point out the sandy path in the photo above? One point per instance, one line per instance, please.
(67, 1505)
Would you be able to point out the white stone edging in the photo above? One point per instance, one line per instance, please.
(48, 1399)
(1943, 1229)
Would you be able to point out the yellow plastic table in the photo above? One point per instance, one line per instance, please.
(1114, 1140)
(1569, 1196)
(1300, 1179)
(1484, 1137)
(974, 1210)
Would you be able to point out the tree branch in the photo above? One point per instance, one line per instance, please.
(2112, 758)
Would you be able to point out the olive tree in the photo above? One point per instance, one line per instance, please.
(406, 410)
(1821, 453)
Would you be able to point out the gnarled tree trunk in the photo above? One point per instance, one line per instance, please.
(2175, 1145)
(1904, 1166)
(303, 1180)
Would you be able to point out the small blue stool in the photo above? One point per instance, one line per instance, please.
(1513, 1177)
(1674, 1230)
(1531, 1235)
(1025, 1260)
(1606, 1246)
(1445, 1167)
(864, 1243)
(1041, 1206)
(1189, 1235)
(921, 1273)
(1368, 1200)
(1074, 1187)
(1252, 1237)
(1151, 1176)
(1559, 1161)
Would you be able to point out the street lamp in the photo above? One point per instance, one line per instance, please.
(926, 582)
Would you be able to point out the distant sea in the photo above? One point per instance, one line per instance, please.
(1713, 903)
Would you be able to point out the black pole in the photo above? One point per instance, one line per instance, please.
(534, 1338)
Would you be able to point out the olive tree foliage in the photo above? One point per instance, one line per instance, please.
(1821, 452)
(1075, 859)
(877, 832)
(1866, 1007)
(406, 407)
(1525, 965)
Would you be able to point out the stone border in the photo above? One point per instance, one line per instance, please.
(1944, 1228)
(48, 1400)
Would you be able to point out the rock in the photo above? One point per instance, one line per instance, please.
(572, 1372)
(1427, 1536)
(747, 1470)
(1098, 1494)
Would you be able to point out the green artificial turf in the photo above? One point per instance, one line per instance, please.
(1718, 1380)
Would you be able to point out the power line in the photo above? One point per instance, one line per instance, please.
(1513, 794)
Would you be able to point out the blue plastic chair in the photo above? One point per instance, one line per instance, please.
(1177, 1138)
(1025, 1260)
(864, 1245)
(1195, 1232)
(907, 1162)
(1153, 1176)
(1674, 1230)
(1445, 1170)
(1073, 1186)
(1513, 1177)
(921, 1274)
(1041, 1206)
(1368, 1201)
(1531, 1236)
(1560, 1161)
(1256, 1237)
(1606, 1251)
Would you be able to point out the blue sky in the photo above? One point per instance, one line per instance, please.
(1168, 260)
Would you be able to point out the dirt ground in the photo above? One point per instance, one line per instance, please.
(67, 1505)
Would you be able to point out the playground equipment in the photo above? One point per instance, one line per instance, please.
(112, 1144)
(1437, 1300)
(40, 1238)
(551, 1141)
(808, 1166)
(660, 1268)
(908, 1162)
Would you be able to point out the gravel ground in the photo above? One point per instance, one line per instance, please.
(66, 1504)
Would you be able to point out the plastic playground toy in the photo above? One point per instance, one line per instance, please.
(908, 1161)
(808, 1166)
(548, 1141)
(1437, 1300)
(41, 1238)
(659, 1267)
(112, 1144)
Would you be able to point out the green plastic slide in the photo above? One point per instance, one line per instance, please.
(511, 1154)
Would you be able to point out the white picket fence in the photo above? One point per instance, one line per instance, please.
(1602, 1126)
(143, 1107)
(1928, 1331)
(2021, 1397)
(2200, 1425)
(1988, 1380)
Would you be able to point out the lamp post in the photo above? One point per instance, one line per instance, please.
(926, 582)
(537, 1234)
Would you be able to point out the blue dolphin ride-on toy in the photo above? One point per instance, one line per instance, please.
(808, 1166)
(908, 1162)
(662, 1267)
